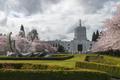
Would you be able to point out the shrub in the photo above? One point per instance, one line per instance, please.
(94, 58)
(11, 65)
(51, 57)
(52, 75)
(110, 69)
(31, 66)
(109, 52)
(34, 66)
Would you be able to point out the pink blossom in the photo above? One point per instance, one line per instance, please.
(22, 44)
(3, 43)
(110, 38)
(37, 46)
(41, 46)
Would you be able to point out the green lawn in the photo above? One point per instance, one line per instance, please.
(70, 63)
(110, 60)
(67, 63)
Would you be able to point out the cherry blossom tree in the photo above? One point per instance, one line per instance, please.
(22, 44)
(49, 47)
(3, 43)
(110, 36)
(38, 46)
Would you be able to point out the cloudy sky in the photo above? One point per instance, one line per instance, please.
(55, 19)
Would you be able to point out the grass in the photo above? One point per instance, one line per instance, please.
(110, 60)
(65, 63)
(70, 63)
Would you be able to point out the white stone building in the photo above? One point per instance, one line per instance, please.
(80, 43)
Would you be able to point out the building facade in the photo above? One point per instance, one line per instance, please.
(80, 43)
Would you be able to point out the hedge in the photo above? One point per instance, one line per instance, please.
(110, 69)
(38, 58)
(94, 58)
(52, 75)
(31, 66)
(109, 52)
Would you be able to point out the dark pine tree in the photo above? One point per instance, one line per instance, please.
(22, 31)
(93, 36)
(97, 35)
(22, 28)
(60, 48)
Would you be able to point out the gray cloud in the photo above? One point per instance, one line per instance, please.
(54, 19)
(2, 4)
(92, 6)
(3, 22)
(27, 7)
(30, 6)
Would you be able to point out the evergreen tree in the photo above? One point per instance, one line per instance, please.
(22, 31)
(97, 35)
(22, 28)
(93, 36)
(60, 48)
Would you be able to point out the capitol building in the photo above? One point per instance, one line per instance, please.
(80, 43)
